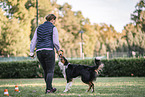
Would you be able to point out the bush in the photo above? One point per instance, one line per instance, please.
(124, 67)
(112, 68)
(19, 69)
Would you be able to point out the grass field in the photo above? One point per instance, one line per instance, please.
(104, 87)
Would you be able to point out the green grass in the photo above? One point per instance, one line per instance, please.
(104, 87)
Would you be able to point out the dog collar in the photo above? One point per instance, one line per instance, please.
(67, 65)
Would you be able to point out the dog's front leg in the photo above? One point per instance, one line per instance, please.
(66, 88)
(70, 84)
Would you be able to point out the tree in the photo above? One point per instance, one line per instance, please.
(138, 15)
(108, 36)
(10, 37)
(20, 15)
(89, 39)
(71, 25)
(135, 39)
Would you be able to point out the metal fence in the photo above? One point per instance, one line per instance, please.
(9, 59)
(108, 55)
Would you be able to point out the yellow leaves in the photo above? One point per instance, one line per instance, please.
(13, 2)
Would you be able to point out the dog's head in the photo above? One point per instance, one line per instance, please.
(62, 58)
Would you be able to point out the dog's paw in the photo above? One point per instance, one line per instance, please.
(92, 91)
(65, 90)
(69, 88)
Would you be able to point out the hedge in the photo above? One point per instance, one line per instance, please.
(124, 67)
(112, 68)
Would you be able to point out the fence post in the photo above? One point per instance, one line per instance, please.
(107, 55)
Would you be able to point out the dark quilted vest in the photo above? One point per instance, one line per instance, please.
(45, 35)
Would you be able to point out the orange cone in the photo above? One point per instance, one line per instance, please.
(6, 92)
(16, 88)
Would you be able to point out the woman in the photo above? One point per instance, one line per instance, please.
(46, 39)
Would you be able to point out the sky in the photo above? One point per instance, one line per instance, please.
(114, 12)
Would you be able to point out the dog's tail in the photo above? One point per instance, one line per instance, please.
(99, 65)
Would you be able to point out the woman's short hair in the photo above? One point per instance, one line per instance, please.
(50, 17)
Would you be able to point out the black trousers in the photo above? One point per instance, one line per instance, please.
(47, 61)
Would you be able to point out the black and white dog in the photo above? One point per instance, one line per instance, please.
(87, 73)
